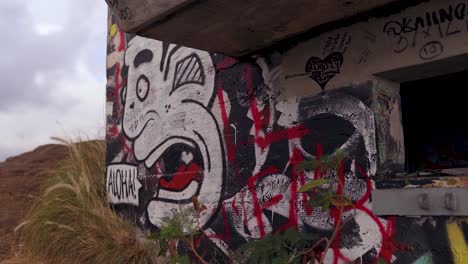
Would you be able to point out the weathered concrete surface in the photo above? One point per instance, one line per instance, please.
(239, 27)
(134, 15)
(389, 47)
(185, 122)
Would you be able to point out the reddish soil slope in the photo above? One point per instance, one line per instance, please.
(20, 178)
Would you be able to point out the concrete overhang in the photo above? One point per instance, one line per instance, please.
(231, 27)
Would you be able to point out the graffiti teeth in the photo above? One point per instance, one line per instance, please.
(186, 157)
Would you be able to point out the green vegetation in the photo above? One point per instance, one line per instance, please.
(182, 227)
(290, 246)
(287, 247)
(72, 222)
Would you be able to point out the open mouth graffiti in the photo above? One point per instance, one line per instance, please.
(181, 167)
(168, 118)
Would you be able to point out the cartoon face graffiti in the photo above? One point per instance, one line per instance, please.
(168, 118)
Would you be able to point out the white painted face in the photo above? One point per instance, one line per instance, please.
(167, 116)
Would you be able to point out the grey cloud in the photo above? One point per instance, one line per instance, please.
(24, 53)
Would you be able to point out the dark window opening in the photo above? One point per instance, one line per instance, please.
(435, 122)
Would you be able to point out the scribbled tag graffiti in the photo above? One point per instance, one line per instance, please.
(322, 71)
(122, 184)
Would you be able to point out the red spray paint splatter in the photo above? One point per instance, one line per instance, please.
(231, 149)
(293, 221)
(227, 231)
(226, 63)
(260, 120)
(257, 208)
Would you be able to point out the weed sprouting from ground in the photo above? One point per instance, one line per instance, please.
(71, 221)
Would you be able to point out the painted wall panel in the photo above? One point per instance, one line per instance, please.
(433, 30)
(231, 132)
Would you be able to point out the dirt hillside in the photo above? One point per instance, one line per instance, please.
(20, 178)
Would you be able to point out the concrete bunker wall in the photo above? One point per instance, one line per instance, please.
(183, 122)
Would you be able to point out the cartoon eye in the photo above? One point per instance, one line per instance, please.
(188, 70)
(142, 87)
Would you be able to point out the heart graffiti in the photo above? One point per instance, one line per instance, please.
(322, 71)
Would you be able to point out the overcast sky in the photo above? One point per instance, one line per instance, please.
(52, 72)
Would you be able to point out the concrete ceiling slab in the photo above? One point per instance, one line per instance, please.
(231, 27)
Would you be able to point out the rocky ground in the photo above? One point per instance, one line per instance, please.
(20, 179)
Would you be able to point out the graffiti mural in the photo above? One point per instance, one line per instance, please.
(183, 122)
(188, 123)
(168, 118)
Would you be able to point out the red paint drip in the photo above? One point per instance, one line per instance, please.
(124, 146)
(272, 201)
(263, 173)
(122, 41)
(337, 214)
(227, 135)
(318, 156)
(388, 243)
(308, 208)
(293, 219)
(146, 184)
(119, 84)
(257, 208)
(233, 204)
(261, 118)
(244, 211)
(256, 116)
(197, 240)
(157, 174)
(112, 132)
(367, 194)
(227, 231)
(319, 151)
(340, 256)
(386, 251)
(283, 134)
(341, 178)
(226, 63)
(266, 115)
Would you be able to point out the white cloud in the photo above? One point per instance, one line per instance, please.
(53, 72)
(47, 29)
(49, 11)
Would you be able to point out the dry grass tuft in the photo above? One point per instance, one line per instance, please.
(71, 221)
(24, 260)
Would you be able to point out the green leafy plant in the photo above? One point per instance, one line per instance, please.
(290, 246)
(325, 163)
(182, 227)
(321, 190)
(285, 247)
(313, 184)
(324, 198)
(382, 261)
